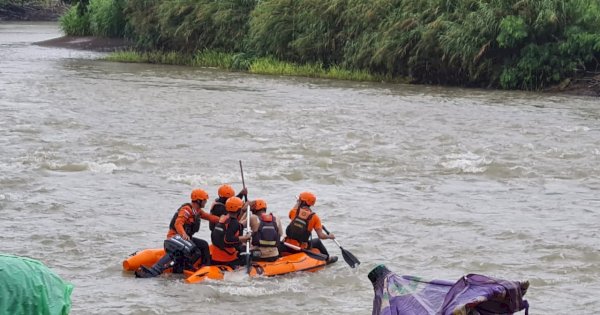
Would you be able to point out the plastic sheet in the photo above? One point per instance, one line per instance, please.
(29, 287)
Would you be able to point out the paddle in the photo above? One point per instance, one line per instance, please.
(348, 257)
(312, 254)
(247, 223)
(248, 260)
(243, 183)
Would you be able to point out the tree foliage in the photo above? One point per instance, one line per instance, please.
(525, 44)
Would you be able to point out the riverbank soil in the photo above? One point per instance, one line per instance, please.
(31, 11)
(88, 43)
(588, 85)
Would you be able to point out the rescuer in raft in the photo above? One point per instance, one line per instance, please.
(304, 221)
(266, 231)
(182, 250)
(218, 207)
(226, 237)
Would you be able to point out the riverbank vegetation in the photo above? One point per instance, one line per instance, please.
(245, 62)
(27, 10)
(511, 44)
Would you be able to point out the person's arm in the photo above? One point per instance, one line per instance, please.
(210, 217)
(182, 216)
(242, 218)
(243, 192)
(324, 236)
(218, 210)
(244, 238)
(318, 227)
(279, 227)
(254, 223)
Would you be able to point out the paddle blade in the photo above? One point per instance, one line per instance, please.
(350, 259)
(314, 255)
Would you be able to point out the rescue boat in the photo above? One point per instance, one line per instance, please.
(146, 257)
(303, 261)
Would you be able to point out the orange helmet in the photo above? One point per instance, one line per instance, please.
(199, 194)
(308, 197)
(226, 191)
(233, 204)
(259, 204)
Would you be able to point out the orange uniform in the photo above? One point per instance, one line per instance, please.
(186, 218)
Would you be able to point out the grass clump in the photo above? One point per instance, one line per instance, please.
(243, 62)
(213, 59)
(159, 57)
(272, 66)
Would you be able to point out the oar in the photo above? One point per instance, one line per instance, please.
(243, 182)
(247, 224)
(348, 257)
(244, 186)
(248, 241)
(312, 254)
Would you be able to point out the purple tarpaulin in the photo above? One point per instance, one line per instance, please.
(471, 294)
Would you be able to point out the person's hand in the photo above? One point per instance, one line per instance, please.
(185, 237)
(244, 238)
(244, 191)
(331, 236)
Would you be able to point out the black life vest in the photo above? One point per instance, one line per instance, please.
(298, 228)
(190, 228)
(268, 233)
(218, 209)
(217, 237)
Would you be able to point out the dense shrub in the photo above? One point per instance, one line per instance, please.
(99, 18)
(72, 23)
(107, 18)
(190, 25)
(525, 44)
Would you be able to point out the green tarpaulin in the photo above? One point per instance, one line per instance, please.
(29, 287)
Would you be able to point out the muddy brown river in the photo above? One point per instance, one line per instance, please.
(436, 182)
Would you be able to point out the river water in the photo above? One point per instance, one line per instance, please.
(436, 182)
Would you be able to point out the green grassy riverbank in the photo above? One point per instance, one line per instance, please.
(507, 44)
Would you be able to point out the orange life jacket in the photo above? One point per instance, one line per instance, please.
(220, 250)
(190, 227)
(219, 255)
(219, 234)
(298, 228)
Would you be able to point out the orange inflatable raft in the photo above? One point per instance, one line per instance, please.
(146, 257)
(310, 261)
